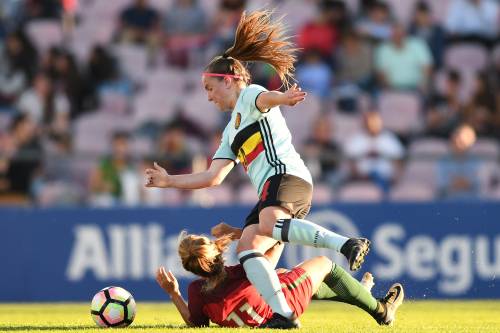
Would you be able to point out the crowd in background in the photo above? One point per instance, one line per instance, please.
(403, 101)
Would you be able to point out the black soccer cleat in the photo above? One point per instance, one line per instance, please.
(277, 321)
(355, 250)
(391, 302)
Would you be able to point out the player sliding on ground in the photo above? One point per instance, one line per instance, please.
(258, 137)
(224, 295)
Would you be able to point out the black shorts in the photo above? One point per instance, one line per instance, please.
(287, 191)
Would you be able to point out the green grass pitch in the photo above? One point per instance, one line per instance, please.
(414, 316)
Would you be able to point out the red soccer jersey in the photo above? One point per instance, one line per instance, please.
(236, 303)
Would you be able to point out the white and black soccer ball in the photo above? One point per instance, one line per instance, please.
(113, 307)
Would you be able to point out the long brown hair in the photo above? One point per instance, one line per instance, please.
(257, 39)
(203, 257)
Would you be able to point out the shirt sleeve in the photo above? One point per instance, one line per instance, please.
(195, 305)
(249, 99)
(224, 151)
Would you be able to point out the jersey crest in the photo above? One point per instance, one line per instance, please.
(237, 121)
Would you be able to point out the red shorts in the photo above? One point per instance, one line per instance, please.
(297, 287)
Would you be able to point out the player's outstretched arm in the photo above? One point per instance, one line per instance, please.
(169, 284)
(216, 173)
(270, 99)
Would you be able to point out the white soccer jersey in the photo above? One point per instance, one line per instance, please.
(261, 141)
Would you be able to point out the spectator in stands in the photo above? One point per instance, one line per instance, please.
(321, 34)
(139, 23)
(375, 153)
(377, 24)
(57, 182)
(445, 109)
(23, 154)
(403, 63)
(41, 9)
(354, 64)
(173, 150)
(101, 69)
(472, 19)
(45, 106)
(185, 28)
(224, 23)
(458, 173)
(423, 26)
(18, 63)
(314, 75)
(481, 110)
(354, 60)
(322, 154)
(68, 81)
(105, 181)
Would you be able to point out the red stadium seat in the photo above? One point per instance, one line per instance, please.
(468, 56)
(45, 33)
(247, 195)
(411, 191)
(422, 171)
(428, 147)
(400, 112)
(360, 192)
(486, 148)
(322, 194)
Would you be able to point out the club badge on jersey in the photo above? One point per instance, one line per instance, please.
(237, 121)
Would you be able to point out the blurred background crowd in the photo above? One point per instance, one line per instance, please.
(403, 101)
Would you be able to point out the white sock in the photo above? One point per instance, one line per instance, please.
(303, 232)
(264, 278)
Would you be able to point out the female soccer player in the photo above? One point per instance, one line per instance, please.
(224, 295)
(257, 136)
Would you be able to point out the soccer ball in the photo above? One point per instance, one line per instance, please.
(113, 307)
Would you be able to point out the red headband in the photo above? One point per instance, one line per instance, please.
(223, 75)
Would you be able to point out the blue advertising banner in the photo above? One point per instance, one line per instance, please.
(441, 250)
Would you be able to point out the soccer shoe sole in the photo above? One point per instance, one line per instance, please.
(361, 251)
(393, 303)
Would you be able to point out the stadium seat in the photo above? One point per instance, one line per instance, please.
(156, 106)
(466, 55)
(402, 10)
(297, 13)
(162, 5)
(345, 126)
(360, 192)
(300, 118)
(400, 112)
(198, 109)
(45, 33)
(468, 78)
(488, 171)
(486, 148)
(495, 55)
(428, 148)
(93, 131)
(439, 9)
(5, 120)
(133, 61)
(411, 191)
(422, 171)
(247, 195)
(221, 195)
(322, 194)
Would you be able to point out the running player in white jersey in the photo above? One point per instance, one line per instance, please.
(258, 138)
